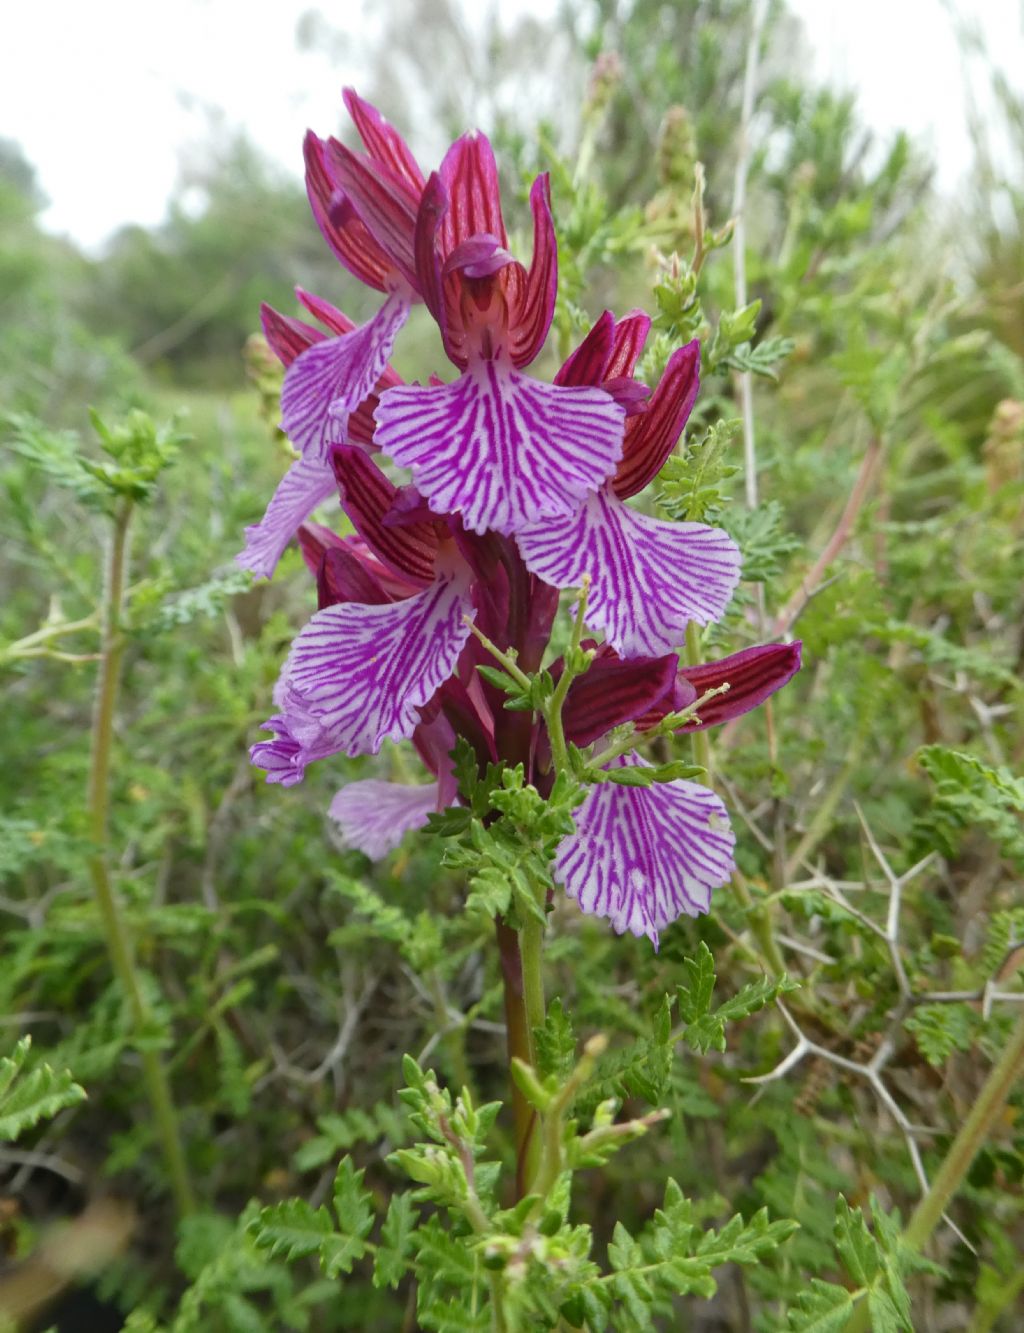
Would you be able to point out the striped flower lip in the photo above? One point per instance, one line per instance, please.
(644, 856)
(310, 480)
(649, 577)
(359, 675)
(501, 450)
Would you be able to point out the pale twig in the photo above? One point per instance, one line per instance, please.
(332, 1061)
(30, 1159)
(739, 236)
(870, 1073)
(810, 584)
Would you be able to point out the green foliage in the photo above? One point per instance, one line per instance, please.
(691, 487)
(763, 539)
(30, 1095)
(941, 1029)
(705, 1027)
(137, 451)
(969, 793)
(504, 835)
(672, 1256)
(293, 1229)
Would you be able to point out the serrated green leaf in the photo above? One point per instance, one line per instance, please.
(396, 1239)
(353, 1208)
(885, 1318)
(28, 1097)
(857, 1248)
(822, 1308)
(762, 359)
(291, 1229)
(695, 996)
(941, 1029)
(555, 1042)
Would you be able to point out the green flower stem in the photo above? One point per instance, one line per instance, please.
(119, 945)
(553, 711)
(694, 657)
(756, 914)
(506, 660)
(962, 1151)
(520, 1046)
(669, 724)
(551, 1161)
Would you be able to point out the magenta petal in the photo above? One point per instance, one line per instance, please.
(303, 487)
(479, 257)
(501, 449)
(613, 692)
(644, 856)
(586, 365)
(342, 577)
(339, 224)
(368, 497)
(384, 201)
(628, 341)
(609, 351)
(651, 436)
(434, 742)
(470, 177)
(753, 675)
(383, 142)
(298, 741)
(333, 319)
(532, 298)
(328, 381)
(362, 673)
(648, 577)
(375, 816)
(288, 337)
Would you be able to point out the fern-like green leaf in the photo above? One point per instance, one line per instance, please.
(26, 1097)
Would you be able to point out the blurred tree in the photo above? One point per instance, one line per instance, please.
(186, 295)
(50, 363)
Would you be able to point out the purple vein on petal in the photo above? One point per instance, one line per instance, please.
(306, 484)
(328, 381)
(649, 577)
(499, 448)
(644, 856)
(364, 672)
(374, 816)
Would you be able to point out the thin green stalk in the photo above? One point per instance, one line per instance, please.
(550, 1165)
(668, 725)
(821, 822)
(701, 740)
(531, 948)
(497, 1285)
(962, 1151)
(520, 1046)
(531, 952)
(119, 944)
(973, 1134)
(571, 663)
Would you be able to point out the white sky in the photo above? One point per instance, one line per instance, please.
(103, 95)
